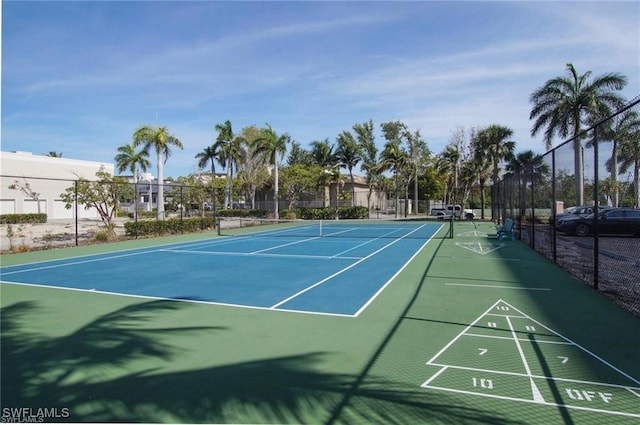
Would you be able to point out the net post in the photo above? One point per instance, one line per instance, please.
(219, 226)
(320, 229)
(451, 226)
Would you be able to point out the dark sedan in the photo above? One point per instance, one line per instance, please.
(610, 221)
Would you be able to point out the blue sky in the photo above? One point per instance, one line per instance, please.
(79, 77)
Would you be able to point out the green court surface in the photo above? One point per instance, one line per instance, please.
(473, 330)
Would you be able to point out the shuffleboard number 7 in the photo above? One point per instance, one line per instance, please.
(482, 351)
(564, 359)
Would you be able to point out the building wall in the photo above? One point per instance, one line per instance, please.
(49, 177)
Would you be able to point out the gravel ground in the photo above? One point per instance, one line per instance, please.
(619, 264)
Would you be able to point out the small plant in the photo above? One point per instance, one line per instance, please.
(10, 236)
(106, 234)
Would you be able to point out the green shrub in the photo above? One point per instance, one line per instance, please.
(329, 213)
(23, 218)
(169, 227)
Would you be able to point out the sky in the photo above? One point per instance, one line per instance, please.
(79, 77)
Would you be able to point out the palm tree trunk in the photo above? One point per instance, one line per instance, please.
(353, 188)
(227, 190)
(614, 174)
(160, 210)
(275, 191)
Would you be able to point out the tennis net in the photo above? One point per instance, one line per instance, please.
(394, 229)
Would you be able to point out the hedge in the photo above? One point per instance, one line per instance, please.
(169, 227)
(329, 213)
(23, 218)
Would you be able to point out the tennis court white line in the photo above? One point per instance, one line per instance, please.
(116, 254)
(79, 262)
(184, 300)
(339, 272)
(253, 254)
(388, 282)
(285, 244)
(497, 287)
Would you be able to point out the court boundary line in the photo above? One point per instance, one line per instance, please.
(115, 254)
(185, 300)
(256, 254)
(339, 272)
(388, 282)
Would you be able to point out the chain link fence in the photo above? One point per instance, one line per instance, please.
(600, 242)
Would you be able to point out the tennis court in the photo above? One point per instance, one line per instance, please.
(335, 268)
(325, 324)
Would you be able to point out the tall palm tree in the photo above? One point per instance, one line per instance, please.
(630, 158)
(160, 140)
(369, 152)
(349, 155)
(208, 154)
(563, 104)
(493, 142)
(481, 167)
(394, 158)
(128, 159)
(270, 145)
(230, 147)
(323, 155)
(448, 165)
(417, 156)
(621, 128)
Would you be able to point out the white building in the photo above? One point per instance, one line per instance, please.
(47, 177)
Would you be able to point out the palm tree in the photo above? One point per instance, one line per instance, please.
(54, 154)
(623, 127)
(630, 158)
(230, 152)
(481, 167)
(369, 152)
(324, 156)
(493, 142)
(128, 159)
(417, 155)
(349, 155)
(161, 140)
(209, 154)
(394, 158)
(270, 145)
(563, 104)
(448, 165)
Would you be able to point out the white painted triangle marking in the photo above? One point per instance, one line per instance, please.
(480, 247)
(473, 233)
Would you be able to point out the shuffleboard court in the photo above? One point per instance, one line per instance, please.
(336, 272)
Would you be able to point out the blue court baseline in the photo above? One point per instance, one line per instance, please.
(324, 275)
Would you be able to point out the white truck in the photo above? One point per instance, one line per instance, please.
(453, 210)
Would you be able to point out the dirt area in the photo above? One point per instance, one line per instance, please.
(53, 234)
(618, 268)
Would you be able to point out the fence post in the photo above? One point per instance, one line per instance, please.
(75, 193)
(596, 233)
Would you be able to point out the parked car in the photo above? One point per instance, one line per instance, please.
(456, 210)
(580, 211)
(611, 221)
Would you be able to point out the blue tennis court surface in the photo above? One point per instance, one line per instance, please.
(313, 274)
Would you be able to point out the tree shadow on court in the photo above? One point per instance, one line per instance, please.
(76, 371)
